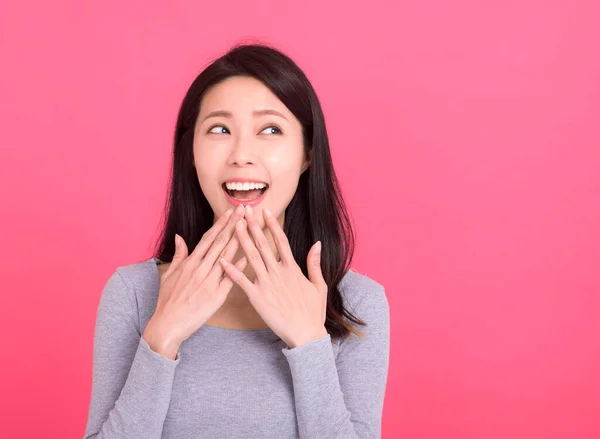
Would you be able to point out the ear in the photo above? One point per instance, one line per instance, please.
(306, 163)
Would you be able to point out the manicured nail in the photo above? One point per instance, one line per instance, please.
(223, 261)
(249, 209)
(268, 212)
(228, 213)
(240, 208)
(318, 250)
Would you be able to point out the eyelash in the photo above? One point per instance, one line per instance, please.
(222, 126)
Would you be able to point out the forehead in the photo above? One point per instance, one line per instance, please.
(240, 94)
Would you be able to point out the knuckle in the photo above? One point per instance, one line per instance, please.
(184, 265)
(220, 238)
(196, 275)
(190, 264)
(255, 256)
(202, 290)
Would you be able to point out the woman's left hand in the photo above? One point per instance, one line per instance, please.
(293, 306)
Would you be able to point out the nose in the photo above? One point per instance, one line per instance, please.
(241, 152)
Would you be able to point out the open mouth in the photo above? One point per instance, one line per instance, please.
(245, 195)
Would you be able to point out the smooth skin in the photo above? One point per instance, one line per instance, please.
(193, 287)
(243, 130)
(293, 306)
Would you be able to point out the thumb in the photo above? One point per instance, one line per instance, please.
(315, 275)
(181, 252)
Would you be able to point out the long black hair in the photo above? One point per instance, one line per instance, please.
(316, 212)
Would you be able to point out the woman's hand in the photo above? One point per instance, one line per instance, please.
(293, 306)
(193, 288)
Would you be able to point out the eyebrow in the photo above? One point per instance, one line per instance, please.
(229, 115)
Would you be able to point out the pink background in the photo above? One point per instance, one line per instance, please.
(466, 135)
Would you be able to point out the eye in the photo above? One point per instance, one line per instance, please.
(216, 132)
(272, 127)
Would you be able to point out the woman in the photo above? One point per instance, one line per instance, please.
(251, 334)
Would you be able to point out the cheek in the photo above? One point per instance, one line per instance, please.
(284, 169)
(285, 158)
(207, 170)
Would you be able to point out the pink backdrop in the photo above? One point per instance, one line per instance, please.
(466, 134)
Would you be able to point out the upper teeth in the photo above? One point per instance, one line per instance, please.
(244, 186)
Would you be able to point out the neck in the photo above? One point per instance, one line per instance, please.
(237, 297)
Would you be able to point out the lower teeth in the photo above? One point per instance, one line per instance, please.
(246, 195)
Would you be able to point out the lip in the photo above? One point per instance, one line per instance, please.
(252, 203)
(243, 180)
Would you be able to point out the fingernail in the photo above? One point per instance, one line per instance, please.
(318, 247)
(229, 212)
(240, 224)
(240, 208)
(249, 209)
(268, 212)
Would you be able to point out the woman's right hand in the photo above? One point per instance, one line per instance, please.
(193, 287)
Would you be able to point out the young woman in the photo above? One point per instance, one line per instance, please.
(253, 333)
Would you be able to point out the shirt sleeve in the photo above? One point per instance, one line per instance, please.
(131, 384)
(343, 397)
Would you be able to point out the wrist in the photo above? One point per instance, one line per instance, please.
(160, 342)
(308, 338)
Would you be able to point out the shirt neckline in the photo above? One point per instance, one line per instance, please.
(267, 331)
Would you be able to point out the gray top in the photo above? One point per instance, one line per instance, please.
(234, 383)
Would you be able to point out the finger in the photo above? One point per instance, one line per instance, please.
(227, 282)
(238, 277)
(181, 252)
(313, 264)
(283, 246)
(254, 256)
(228, 253)
(260, 239)
(209, 237)
(221, 241)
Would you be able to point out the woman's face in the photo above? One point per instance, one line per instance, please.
(244, 131)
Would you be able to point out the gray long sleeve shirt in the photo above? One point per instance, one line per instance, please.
(234, 383)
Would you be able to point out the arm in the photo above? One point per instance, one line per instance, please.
(131, 384)
(343, 398)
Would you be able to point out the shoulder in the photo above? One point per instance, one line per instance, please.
(136, 285)
(366, 299)
(139, 273)
(358, 289)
